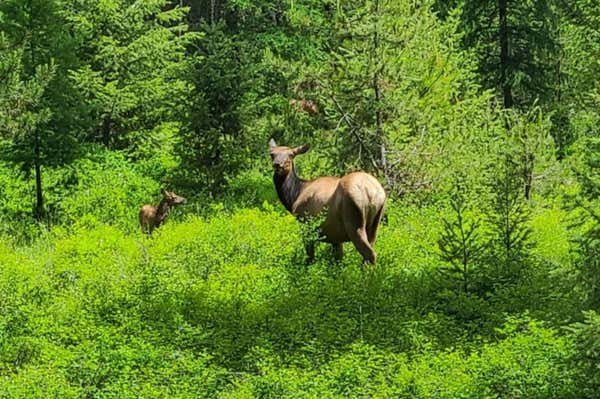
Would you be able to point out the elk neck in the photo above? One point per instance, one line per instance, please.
(288, 188)
(162, 211)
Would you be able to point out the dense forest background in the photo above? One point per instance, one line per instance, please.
(481, 119)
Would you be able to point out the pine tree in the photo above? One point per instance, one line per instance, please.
(460, 243)
(575, 111)
(21, 112)
(133, 70)
(508, 218)
(529, 139)
(214, 143)
(586, 165)
(389, 86)
(45, 135)
(516, 44)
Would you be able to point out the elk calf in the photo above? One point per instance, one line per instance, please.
(152, 216)
(352, 205)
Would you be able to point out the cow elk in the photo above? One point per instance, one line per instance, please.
(152, 216)
(352, 205)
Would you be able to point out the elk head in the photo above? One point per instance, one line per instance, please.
(173, 199)
(282, 157)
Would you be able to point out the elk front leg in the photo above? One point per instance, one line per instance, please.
(309, 246)
(310, 234)
(338, 251)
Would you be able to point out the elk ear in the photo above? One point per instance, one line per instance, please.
(301, 150)
(272, 143)
(164, 192)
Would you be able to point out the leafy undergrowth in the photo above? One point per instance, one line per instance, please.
(226, 307)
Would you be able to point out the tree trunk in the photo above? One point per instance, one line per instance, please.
(504, 54)
(560, 134)
(39, 203)
(106, 128)
(528, 164)
(213, 7)
(378, 98)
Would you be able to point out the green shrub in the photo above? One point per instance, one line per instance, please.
(108, 189)
(225, 306)
(531, 362)
(587, 356)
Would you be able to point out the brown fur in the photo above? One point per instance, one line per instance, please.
(152, 216)
(353, 204)
(308, 106)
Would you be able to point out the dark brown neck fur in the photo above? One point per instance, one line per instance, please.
(162, 211)
(288, 188)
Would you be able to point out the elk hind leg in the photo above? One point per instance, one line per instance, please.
(374, 226)
(354, 224)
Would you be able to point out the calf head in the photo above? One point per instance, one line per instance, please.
(173, 199)
(282, 158)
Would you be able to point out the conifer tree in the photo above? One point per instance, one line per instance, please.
(133, 70)
(515, 43)
(460, 243)
(508, 217)
(43, 131)
(391, 85)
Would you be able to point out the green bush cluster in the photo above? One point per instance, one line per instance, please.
(223, 306)
(102, 187)
(531, 364)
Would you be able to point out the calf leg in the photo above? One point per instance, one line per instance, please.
(145, 227)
